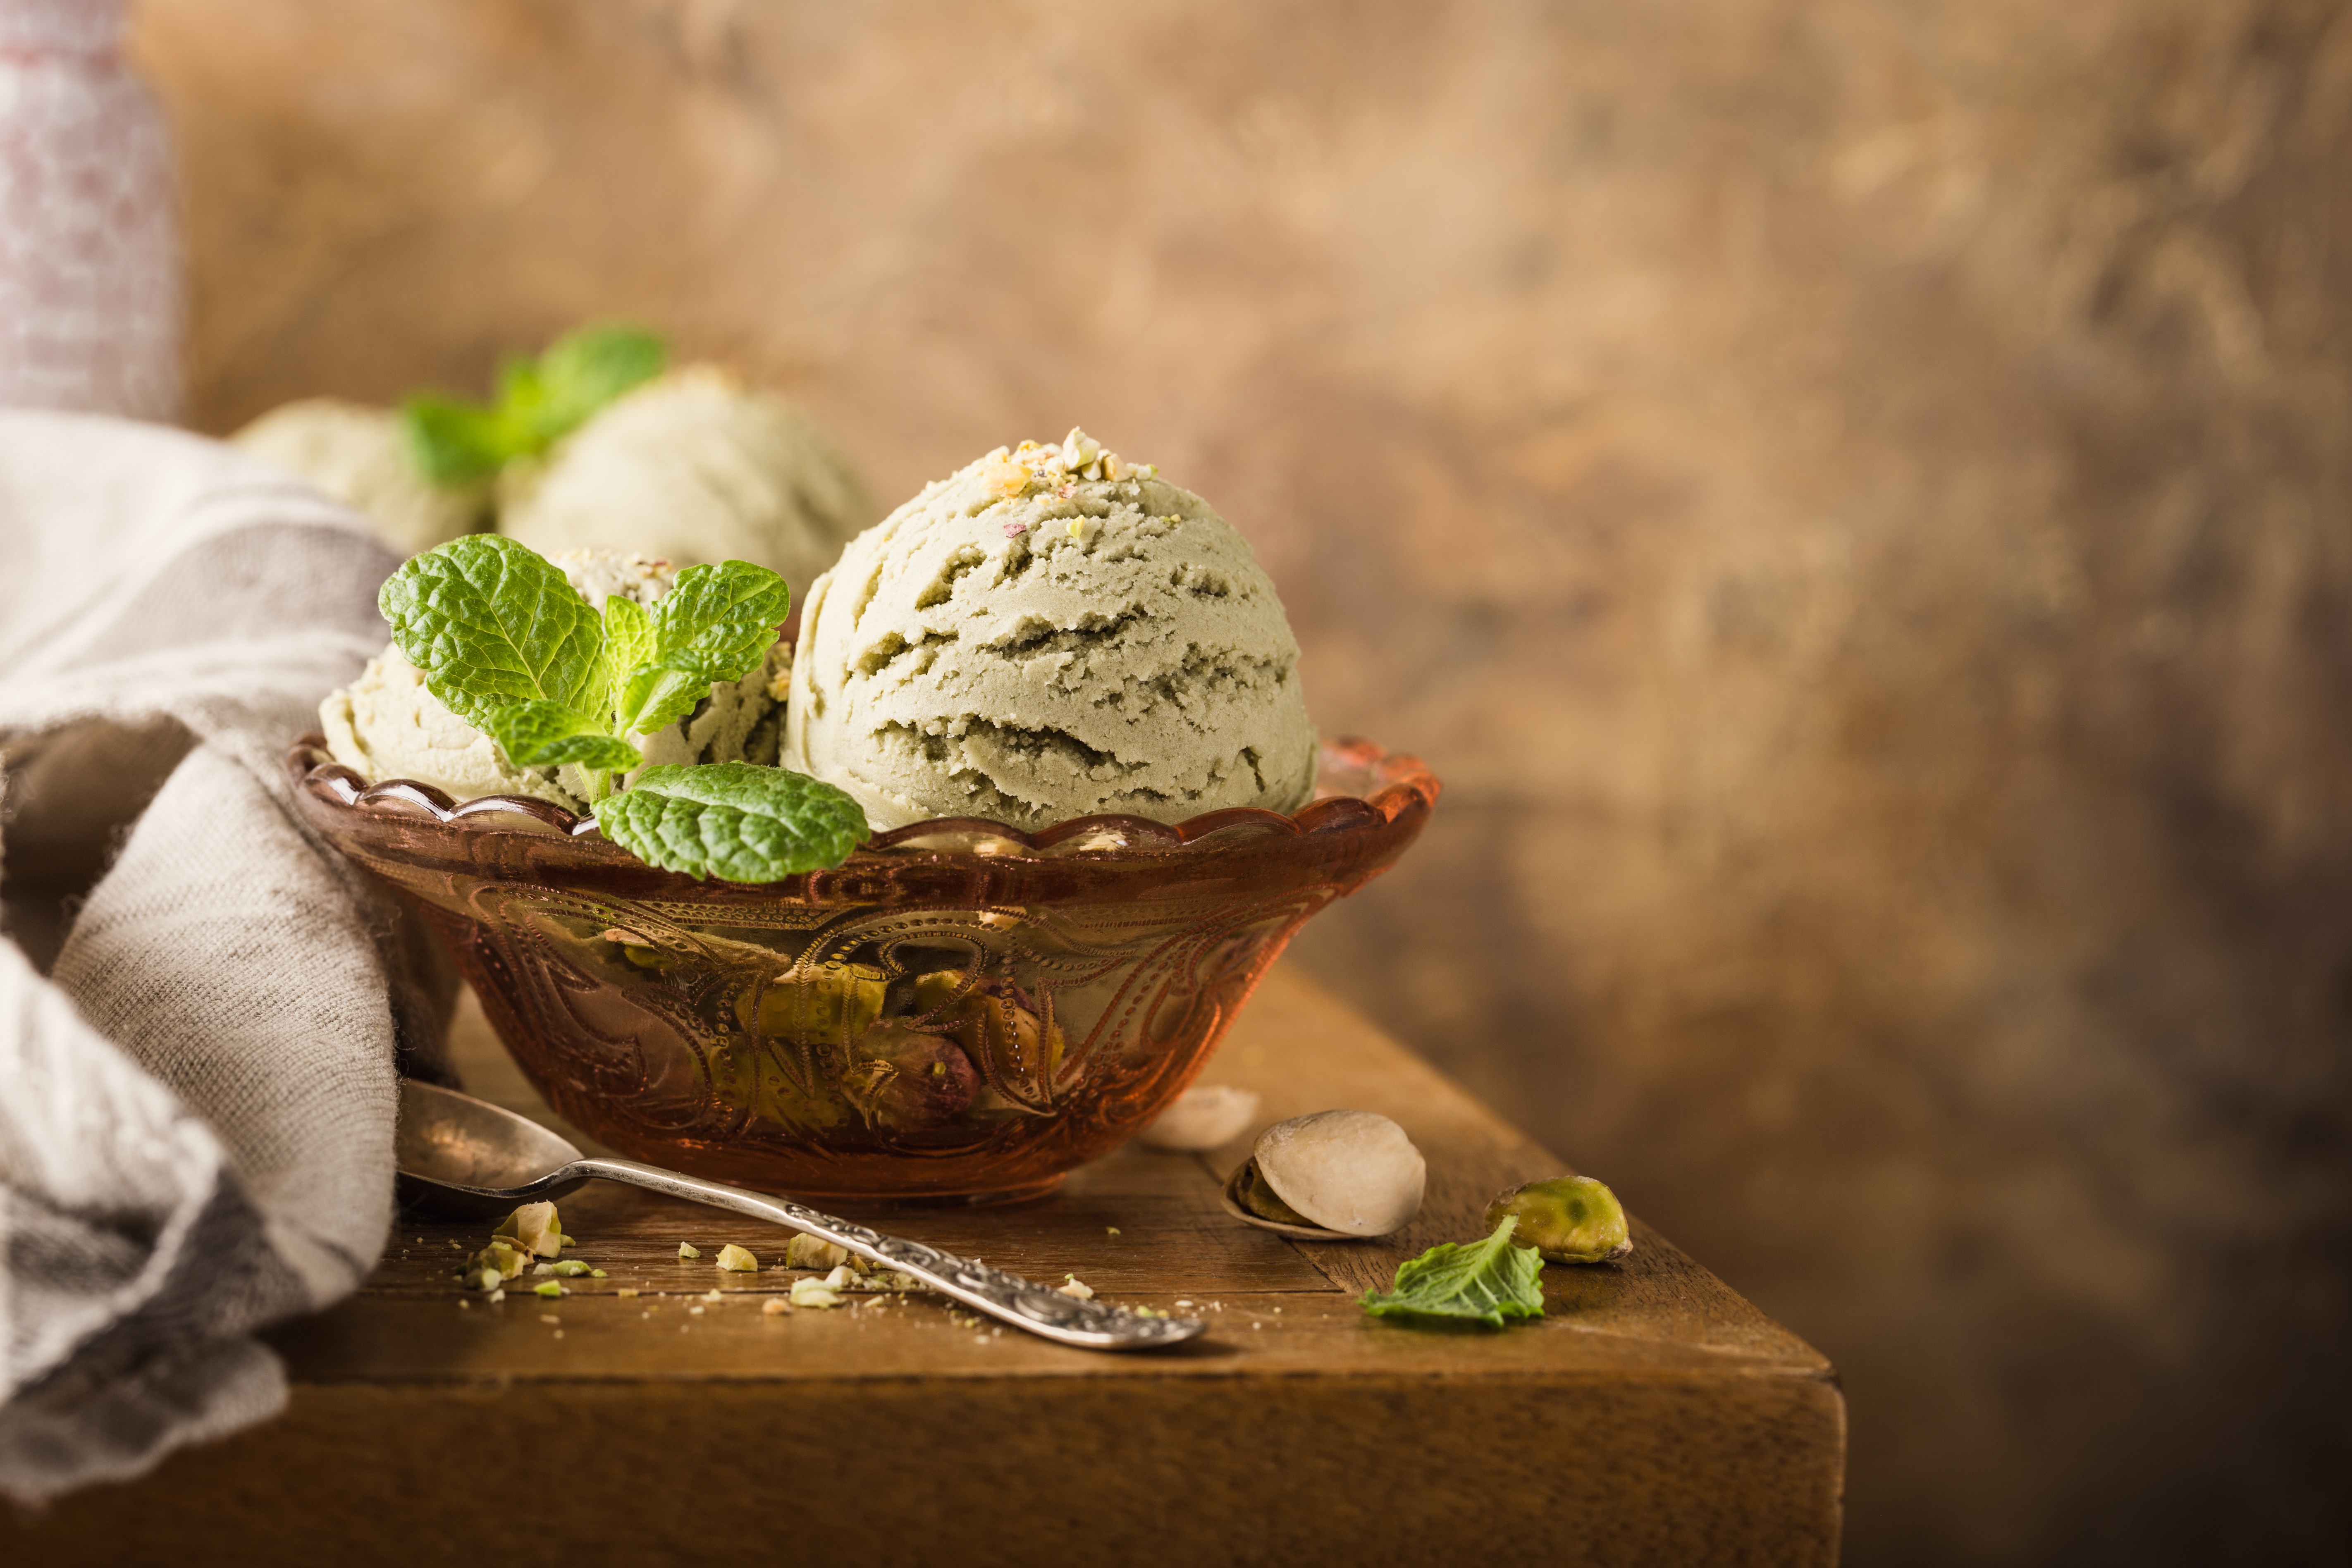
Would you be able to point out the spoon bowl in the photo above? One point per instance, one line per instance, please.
(463, 1157)
(468, 1158)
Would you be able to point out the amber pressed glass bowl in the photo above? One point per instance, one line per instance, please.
(960, 1013)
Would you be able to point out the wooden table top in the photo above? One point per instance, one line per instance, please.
(1651, 1416)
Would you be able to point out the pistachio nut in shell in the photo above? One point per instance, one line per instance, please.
(1249, 1199)
(1348, 1171)
(1569, 1219)
(1206, 1116)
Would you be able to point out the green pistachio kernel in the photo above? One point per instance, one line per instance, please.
(1569, 1219)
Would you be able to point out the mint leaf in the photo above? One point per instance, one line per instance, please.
(1485, 1282)
(543, 734)
(585, 370)
(718, 620)
(455, 443)
(653, 696)
(539, 402)
(628, 643)
(490, 624)
(715, 625)
(733, 820)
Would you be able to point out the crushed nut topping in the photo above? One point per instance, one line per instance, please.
(1053, 467)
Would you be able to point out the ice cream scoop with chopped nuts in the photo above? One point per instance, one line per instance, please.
(697, 467)
(1050, 633)
(359, 456)
(387, 725)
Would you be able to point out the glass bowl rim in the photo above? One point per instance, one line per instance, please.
(1403, 786)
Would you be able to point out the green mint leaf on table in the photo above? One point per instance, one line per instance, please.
(1486, 1282)
(543, 734)
(715, 625)
(490, 624)
(732, 820)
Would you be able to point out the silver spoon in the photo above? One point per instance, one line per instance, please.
(465, 1156)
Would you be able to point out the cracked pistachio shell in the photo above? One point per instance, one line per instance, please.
(1348, 1171)
(1569, 1219)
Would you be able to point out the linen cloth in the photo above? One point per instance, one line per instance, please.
(197, 1096)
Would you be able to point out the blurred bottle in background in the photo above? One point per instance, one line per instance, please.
(89, 253)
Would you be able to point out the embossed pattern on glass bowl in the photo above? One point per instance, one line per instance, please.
(962, 1012)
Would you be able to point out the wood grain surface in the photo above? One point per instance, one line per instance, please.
(1651, 1416)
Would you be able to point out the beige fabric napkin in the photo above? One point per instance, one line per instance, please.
(200, 1006)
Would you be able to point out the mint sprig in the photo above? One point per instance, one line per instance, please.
(717, 619)
(1486, 1282)
(539, 402)
(733, 820)
(542, 735)
(507, 644)
(491, 623)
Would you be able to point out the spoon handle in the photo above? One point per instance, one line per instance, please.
(1023, 1303)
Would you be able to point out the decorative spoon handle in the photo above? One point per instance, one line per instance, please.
(1023, 1303)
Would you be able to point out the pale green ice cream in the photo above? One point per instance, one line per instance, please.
(1048, 634)
(698, 467)
(387, 725)
(359, 456)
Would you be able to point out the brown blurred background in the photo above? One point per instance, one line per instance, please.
(1851, 496)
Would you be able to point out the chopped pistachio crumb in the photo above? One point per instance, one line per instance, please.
(535, 1228)
(688, 1249)
(775, 1306)
(1074, 1286)
(569, 1269)
(839, 1279)
(1110, 1230)
(714, 1294)
(737, 1259)
(497, 1295)
(596, 1274)
(547, 1288)
(542, 1269)
(548, 1318)
(500, 1259)
(813, 1252)
(627, 1293)
(694, 1312)
(814, 1293)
